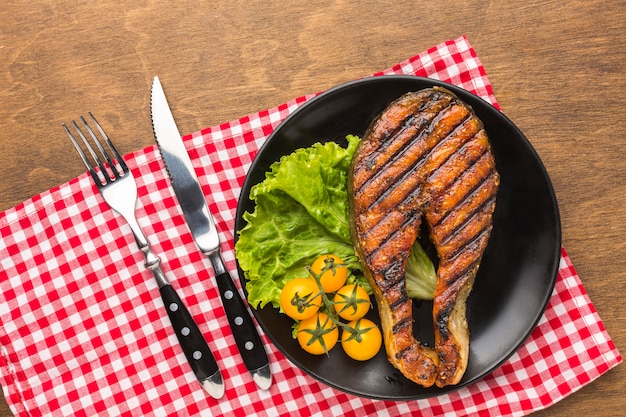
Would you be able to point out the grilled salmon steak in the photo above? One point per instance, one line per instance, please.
(424, 158)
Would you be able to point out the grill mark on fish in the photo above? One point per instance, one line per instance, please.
(441, 321)
(402, 324)
(467, 186)
(381, 157)
(450, 145)
(383, 177)
(391, 277)
(379, 211)
(475, 202)
(403, 299)
(457, 164)
(427, 111)
(398, 223)
(405, 352)
(486, 207)
(469, 195)
(473, 243)
(413, 119)
(383, 243)
(411, 155)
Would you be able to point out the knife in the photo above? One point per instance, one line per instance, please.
(202, 226)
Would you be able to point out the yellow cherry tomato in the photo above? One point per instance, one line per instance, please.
(361, 340)
(317, 334)
(300, 298)
(331, 272)
(351, 302)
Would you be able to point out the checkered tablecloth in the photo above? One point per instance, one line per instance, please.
(83, 330)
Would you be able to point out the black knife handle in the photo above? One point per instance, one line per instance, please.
(245, 333)
(189, 336)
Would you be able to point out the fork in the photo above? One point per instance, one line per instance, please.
(118, 188)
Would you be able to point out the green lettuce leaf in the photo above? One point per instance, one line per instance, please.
(420, 276)
(315, 177)
(301, 212)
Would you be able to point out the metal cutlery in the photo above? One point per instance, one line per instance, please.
(202, 226)
(118, 188)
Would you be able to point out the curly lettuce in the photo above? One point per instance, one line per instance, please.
(301, 212)
(420, 275)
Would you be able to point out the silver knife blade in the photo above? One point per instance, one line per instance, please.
(202, 226)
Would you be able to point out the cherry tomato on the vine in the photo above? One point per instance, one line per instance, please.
(361, 340)
(351, 302)
(300, 298)
(317, 334)
(332, 272)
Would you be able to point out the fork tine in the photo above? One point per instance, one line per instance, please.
(104, 153)
(117, 155)
(103, 175)
(93, 153)
(86, 161)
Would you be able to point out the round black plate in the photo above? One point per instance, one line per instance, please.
(518, 270)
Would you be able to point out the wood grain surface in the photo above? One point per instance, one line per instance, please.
(558, 69)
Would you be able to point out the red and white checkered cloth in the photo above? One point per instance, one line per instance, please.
(83, 330)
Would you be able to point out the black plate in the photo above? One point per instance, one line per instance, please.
(518, 270)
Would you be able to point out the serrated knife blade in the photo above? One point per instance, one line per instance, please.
(202, 226)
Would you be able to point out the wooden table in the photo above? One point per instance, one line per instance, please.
(558, 70)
